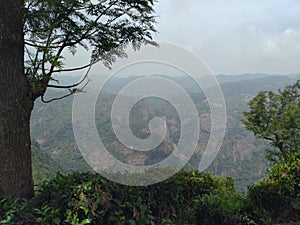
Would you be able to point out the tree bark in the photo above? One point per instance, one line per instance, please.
(15, 105)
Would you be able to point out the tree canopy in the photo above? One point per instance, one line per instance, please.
(107, 27)
(276, 117)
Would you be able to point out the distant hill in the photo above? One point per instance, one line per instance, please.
(244, 77)
(241, 155)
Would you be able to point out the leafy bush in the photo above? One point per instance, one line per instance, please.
(277, 198)
(86, 198)
(222, 206)
(15, 211)
(186, 198)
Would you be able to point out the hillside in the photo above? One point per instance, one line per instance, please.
(241, 155)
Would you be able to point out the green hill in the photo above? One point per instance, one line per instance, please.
(241, 155)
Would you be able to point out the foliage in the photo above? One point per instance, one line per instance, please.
(276, 117)
(222, 206)
(15, 211)
(186, 198)
(277, 197)
(85, 198)
(169, 200)
(52, 27)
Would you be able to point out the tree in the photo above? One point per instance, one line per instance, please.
(44, 30)
(15, 105)
(275, 117)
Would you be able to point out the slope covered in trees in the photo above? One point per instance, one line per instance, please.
(241, 156)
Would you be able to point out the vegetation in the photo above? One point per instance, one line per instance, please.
(276, 117)
(189, 197)
(85, 198)
(43, 30)
(241, 155)
(276, 198)
(107, 27)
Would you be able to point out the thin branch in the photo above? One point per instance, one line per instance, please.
(35, 63)
(58, 98)
(105, 10)
(73, 85)
(72, 91)
(44, 52)
(32, 44)
(269, 139)
(57, 55)
(72, 69)
(30, 58)
(41, 44)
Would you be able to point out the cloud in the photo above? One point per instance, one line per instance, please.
(280, 47)
(236, 36)
(286, 45)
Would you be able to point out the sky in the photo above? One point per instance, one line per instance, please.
(235, 36)
(231, 36)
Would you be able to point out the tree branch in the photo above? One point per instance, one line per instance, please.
(73, 85)
(72, 91)
(40, 46)
(58, 98)
(72, 69)
(269, 139)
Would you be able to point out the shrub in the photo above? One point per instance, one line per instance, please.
(277, 197)
(86, 198)
(223, 206)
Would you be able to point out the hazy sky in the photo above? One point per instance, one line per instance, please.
(235, 36)
(231, 36)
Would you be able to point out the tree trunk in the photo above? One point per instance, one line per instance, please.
(15, 105)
